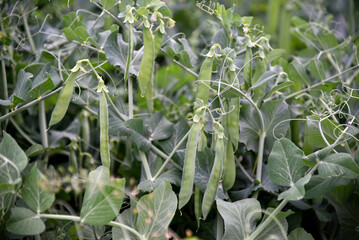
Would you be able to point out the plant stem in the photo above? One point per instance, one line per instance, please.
(18, 128)
(263, 225)
(78, 219)
(170, 156)
(145, 165)
(164, 156)
(42, 122)
(3, 94)
(262, 138)
(130, 98)
(28, 33)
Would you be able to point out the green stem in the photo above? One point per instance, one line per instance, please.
(28, 33)
(145, 165)
(78, 219)
(42, 122)
(130, 98)
(263, 225)
(262, 138)
(170, 156)
(164, 156)
(18, 128)
(3, 94)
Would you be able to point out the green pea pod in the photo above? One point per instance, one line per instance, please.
(229, 176)
(205, 76)
(145, 72)
(64, 99)
(247, 70)
(214, 179)
(85, 131)
(197, 205)
(202, 141)
(129, 53)
(189, 165)
(104, 139)
(233, 122)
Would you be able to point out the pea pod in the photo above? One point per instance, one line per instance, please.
(197, 205)
(233, 116)
(189, 165)
(145, 72)
(229, 176)
(214, 178)
(205, 76)
(104, 139)
(64, 99)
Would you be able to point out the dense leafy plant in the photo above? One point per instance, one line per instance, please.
(133, 131)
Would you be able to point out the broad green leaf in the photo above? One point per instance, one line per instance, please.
(23, 86)
(34, 150)
(173, 176)
(139, 134)
(181, 51)
(160, 128)
(299, 234)
(320, 185)
(247, 70)
(296, 191)
(276, 229)
(339, 164)
(298, 74)
(42, 82)
(70, 34)
(267, 76)
(155, 211)
(103, 197)
(108, 4)
(280, 86)
(285, 165)
(11, 150)
(179, 131)
(24, 222)
(275, 54)
(346, 203)
(240, 218)
(10, 176)
(116, 50)
(317, 69)
(273, 113)
(116, 125)
(127, 218)
(33, 192)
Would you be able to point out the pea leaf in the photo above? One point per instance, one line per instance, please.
(173, 176)
(296, 191)
(285, 165)
(139, 134)
(108, 4)
(160, 128)
(320, 185)
(33, 193)
(275, 54)
(239, 217)
(273, 113)
(266, 76)
(276, 229)
(43, 82)
(24, 222)
(11, 150)
(103, 197)
(300, 234)
(34, 150)
(339, 164)
(10, 177)
(155, 211)
(116, 50)
(297, 73)
(70, 34)
(317, 69)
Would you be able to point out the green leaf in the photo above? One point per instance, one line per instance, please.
(42, 82)
(23, 86)
(173, 176)
(127, 217)
(10, 177)
(280, 86)
(320, 185)
(33, 193)
(240, 218)
(266, 76)
(160, 128)
(70, 34)
(276, 229)
(273, 113)
(285, 165)
(34, 150)
(103, 197)
(139, 134)
(298, 74)
(116, 50)
(155, 211)
(24, 222)
(339, 164)
(247, 70)
(11, 150)
(275, 54)
(317, 69)
(300, 234)
(346, 203)
(107, 4)
(297, 191)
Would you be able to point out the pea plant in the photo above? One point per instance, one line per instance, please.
(117, 125)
